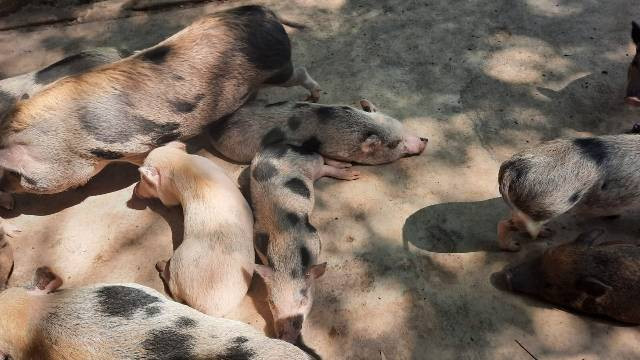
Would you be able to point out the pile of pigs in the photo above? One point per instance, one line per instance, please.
(61, 125)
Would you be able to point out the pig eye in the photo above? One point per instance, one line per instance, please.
(393, 144)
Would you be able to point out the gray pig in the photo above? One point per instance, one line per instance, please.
(70, 130)
(120, 321)
(337, 132)
(288, 245)
(597, 176)
(212, 269)
(598, 279)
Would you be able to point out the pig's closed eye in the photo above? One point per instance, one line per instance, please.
(393, 144)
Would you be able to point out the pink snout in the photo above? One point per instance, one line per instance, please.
(632, 100)
(415, 145)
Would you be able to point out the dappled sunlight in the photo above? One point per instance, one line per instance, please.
(560, 331)
(555, 8)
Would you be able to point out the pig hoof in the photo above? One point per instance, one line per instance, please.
(545, 232)
(352, 175)
(314, 96)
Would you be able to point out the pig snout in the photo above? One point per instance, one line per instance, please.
(502, 280)
(632, 100)
(414, 145)
(289, 329)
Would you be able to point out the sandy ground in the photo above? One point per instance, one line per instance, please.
(411, 245)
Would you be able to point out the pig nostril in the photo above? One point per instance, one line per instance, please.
(424, 139)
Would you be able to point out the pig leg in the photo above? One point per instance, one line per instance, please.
(338, 173)
(337, 164)
(506, 229)
(301, 77)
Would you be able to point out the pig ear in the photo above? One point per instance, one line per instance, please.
(178, 145)
(265, 272)
(150, 175)
(589, 238)
(635, 32)
(45, 281)
(368, 106)
(317, 270)
(593, 286)
(370, 144)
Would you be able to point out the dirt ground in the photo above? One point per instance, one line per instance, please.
(411, 245)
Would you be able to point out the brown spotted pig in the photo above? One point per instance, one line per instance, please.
(212, 269)
(596, 176)
(288, 245)
(71, 129)
(121, 321)
(598, 279)
(337, 132)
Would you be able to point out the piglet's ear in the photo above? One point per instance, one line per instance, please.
(635, 32)
(178, 145)
(265, 272)
(589, 238)
(593, 286)
(371, 144)
(368, 106)
(45, 281)
(317, 270)
(150, 175)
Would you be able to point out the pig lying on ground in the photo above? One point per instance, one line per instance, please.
(70, 130)
(593, 278)
(120, 321)
(633, 77)
(337, 132)
(595, 175)
(288, 245)
(212, 269)
(24, 86)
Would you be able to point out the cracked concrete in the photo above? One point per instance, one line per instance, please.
(411, 245)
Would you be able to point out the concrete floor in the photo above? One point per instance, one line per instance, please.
(411, 245)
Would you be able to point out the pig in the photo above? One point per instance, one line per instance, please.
(583, 275)
(212, 269)
(70, 130)
(338, 132)
(288, 245)
(120, 321)
(596, 176)
(24, 86)
(633, 76)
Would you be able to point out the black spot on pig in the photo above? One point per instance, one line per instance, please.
(6, 101)
(168, 343)
(152, 311)
(325, 112)
(279, 150)
(25, 97)
(264, 171)
(305, 257)
(106, 154)
(291, 220)
(294, 123)
(238, 349)
(575, 197)
(262, 242)
(299, 105)
(185, 107)
(70, 65)
(274, 136)
(122, 301)
(185, 322)
(393, 144)
(296, 321)
(276, 103)
(262, 37)
(312, 144)
(157, 55)
(592, 148)
(298, 186)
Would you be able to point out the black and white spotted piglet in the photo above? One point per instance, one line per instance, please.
(599, 176)
(121, 321)
(288, 245)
